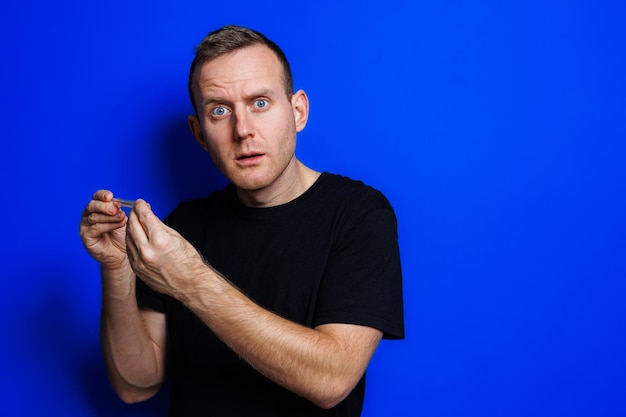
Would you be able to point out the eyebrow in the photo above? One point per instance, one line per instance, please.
(217, 99)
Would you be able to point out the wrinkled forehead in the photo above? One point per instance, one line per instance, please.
(255, 66)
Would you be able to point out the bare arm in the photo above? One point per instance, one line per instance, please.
(322, 364)
(133, 341)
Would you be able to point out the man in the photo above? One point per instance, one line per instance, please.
(268, 297)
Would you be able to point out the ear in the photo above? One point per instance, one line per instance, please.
(300, 106)
(196, 131)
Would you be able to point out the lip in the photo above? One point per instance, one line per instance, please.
(249, 159)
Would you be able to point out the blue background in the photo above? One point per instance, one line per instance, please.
(496, 129)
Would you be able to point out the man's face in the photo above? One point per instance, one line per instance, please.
(246, 121)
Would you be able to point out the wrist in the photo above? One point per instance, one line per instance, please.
(198, 285)
(118, 282)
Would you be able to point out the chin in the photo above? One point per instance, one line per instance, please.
(251, 182)
(260, 177)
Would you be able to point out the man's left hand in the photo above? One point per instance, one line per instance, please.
(158, 254)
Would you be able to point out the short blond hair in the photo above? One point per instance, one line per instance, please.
(232, 38)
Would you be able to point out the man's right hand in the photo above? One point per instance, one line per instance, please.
(103, 231)
(133, 340)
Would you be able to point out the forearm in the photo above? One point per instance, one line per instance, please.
(314, 363)
(133, 365)
(322, 364)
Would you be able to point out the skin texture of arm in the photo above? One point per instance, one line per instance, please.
(134, 355)
(322, 364)
(133, 342)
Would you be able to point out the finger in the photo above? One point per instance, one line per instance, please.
(103, 211)
(95, 218)
(135, 230)
(98, 211)
(99, 229)
(131, 249)
(135, 235)
(146, 216)
(150, 223)
(103, 195)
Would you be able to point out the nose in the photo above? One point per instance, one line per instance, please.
(244, 127)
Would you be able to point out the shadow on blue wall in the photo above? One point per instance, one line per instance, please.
(60, 346)
(190, 173)
(55, 331)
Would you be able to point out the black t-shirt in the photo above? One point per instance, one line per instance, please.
(329, 256)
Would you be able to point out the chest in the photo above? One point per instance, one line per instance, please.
(277, 262)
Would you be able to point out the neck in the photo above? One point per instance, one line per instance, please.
(296, 179)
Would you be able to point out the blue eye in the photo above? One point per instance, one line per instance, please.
(261, 103)
(219, 111)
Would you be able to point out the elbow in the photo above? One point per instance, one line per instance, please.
(131, 390)
(133, 395)
(332, 394)
(327, 402)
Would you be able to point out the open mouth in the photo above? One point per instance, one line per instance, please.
(247, 157)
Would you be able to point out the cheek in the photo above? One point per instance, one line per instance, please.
(287, 128)
(216, 138)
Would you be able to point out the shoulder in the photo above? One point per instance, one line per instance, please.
(354, 204)
(354, 194)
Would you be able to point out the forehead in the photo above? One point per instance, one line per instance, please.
(250, 68)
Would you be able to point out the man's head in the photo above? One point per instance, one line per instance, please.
(246, 115)
(229, 39)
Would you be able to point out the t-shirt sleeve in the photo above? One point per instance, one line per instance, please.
(363, 280)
